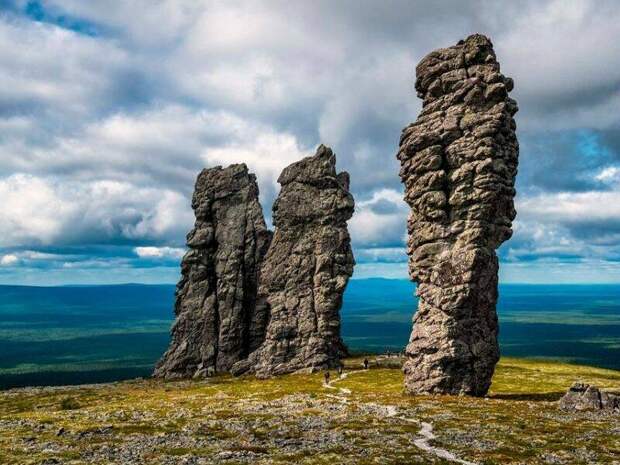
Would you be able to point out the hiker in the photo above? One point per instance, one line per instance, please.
(327, 378)
(365, 364)
(339, 371)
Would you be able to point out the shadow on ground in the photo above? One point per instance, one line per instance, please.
(529, 397)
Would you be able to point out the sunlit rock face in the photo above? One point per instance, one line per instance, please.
(458, 165)
(216, 324)
(306, 270)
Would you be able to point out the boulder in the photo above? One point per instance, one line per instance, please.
(582, 396)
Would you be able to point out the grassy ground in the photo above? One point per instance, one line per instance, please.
(363, 419)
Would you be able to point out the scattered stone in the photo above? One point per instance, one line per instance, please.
(294, 417)
(587, 397)
(306, 270)
(458, 165)
(216, 324)
(93, 432)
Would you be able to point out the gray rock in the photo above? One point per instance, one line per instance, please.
(216, 324)
(586, 397)
(291, 320)
(306, 270)
(458, 165)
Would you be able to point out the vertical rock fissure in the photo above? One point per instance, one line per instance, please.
(249, 293)
(446, 186)
(217, 328)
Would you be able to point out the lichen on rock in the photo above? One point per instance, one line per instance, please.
(215, 324)
(458, 165)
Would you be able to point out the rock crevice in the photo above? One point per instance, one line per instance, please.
(458, 165)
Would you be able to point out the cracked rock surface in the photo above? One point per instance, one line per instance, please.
(215, 323)
(582, 396)
(458, 165)
(306, 270)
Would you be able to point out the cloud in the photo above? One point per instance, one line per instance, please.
(565, 66)
(381, 255)
(165, 146)
(566, 226)
(159, 252)
(159, 23)
(42, 212)
(557, 271)
(573, 208)
(31, 212)
(379, 221)
(37, 259)
(609, 175)
(8, 260)
(105, 121)
(566, 161)
(59, 72)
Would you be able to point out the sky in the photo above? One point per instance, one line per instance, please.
(109, 109)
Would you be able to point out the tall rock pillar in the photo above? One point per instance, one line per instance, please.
(216, 324)
(306, 270)
(458, 165)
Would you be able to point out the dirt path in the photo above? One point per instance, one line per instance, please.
(425, 435)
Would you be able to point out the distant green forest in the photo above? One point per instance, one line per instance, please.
(81, 334)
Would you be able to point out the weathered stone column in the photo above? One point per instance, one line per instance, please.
(458, 165)
(306, 270)
(216, 324)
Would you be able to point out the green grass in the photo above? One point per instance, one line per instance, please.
(294, 419)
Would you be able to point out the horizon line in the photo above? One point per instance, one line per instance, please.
(510, 283)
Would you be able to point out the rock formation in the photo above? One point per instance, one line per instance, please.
(216, 297)
(586, 397)
(458, 165)
(306, 270)
(291, 320)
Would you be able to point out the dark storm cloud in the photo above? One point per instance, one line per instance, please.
(563, 161)
(611, 139)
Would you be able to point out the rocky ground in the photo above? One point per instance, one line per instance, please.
(362, 418)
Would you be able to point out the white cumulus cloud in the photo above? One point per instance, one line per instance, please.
(9, 259)
(39, 211)
(159, 252)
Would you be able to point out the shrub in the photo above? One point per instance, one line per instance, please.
(69, 403)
